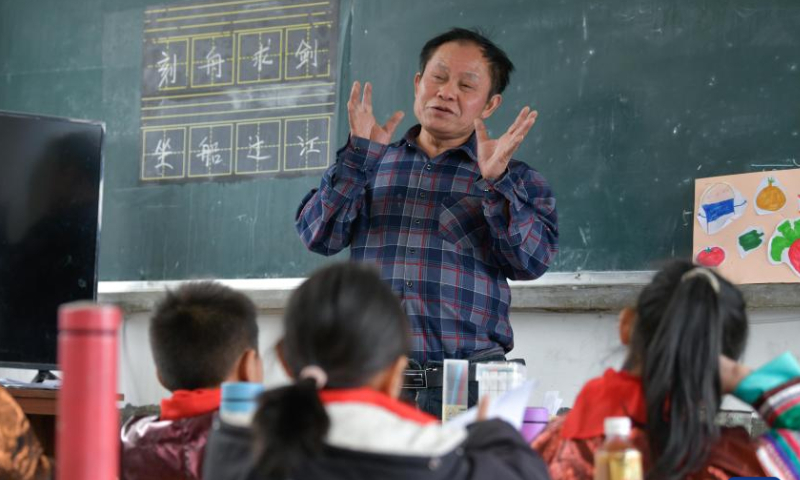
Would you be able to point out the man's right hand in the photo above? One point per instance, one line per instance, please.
(362, 121)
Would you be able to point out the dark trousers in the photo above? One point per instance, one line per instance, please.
(430, 399)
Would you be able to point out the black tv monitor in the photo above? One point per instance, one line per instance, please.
(50, 198)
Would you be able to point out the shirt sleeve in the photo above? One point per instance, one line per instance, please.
(326, 215)
(774, 391)
(521, 212)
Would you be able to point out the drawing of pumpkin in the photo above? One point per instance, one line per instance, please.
(771, 198)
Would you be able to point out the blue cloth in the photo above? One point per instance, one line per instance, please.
(445, 239)
(718, 210)
(775, 373)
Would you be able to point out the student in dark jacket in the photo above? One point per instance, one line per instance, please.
(346, 340)
(201, 335)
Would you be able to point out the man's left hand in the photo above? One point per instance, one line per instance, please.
(494, 154)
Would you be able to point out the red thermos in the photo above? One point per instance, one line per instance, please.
(87, 426)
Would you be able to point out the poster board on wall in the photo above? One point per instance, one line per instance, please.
(748, 226)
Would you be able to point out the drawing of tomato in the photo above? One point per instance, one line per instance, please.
(710, 257)
(794, 255)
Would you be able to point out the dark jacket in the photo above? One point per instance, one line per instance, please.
(370, 441)
(493, 450)
(154, 449)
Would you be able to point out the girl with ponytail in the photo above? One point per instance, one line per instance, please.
(685, 335)
(345, 342)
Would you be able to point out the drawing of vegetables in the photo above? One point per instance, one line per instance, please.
(751, 240)
(784, 246)
(710, 257)
(771, 198)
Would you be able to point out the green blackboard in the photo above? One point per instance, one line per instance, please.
(636, 99)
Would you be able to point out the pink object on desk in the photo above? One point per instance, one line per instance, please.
(534, 421)
(87, 426)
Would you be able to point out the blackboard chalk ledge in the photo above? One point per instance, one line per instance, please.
(554, 292)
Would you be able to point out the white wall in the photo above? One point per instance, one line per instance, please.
(562, 350)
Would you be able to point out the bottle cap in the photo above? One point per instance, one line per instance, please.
(239, 402)
(617, 426)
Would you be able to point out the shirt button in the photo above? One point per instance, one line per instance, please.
(421, 194)
(412, 250)
(417, 221)
(409, 284)
(428, 166)
(357, 149)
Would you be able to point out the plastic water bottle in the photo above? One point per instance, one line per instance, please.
(617, 458)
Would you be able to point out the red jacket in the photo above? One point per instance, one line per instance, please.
(170, 446)
(568, 444)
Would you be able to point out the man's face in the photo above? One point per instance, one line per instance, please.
(454, 91)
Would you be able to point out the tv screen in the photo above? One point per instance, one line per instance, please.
(50, 191)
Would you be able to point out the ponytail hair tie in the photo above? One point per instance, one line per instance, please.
(705, 273)
(315, 373)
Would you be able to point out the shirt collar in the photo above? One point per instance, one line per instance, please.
(378, 399)
(470, 147)
(190, 403)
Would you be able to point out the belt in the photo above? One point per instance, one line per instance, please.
(429, 377)
(434, 377)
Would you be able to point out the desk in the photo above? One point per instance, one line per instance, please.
(40, 405)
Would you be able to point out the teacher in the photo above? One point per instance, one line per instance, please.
(445, 213)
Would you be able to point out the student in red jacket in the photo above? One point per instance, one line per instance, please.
(688, 328)
(201, 335)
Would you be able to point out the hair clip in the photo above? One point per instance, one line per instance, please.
(705, 273)
(316, 373)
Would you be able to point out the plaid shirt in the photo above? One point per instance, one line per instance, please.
(444, 238)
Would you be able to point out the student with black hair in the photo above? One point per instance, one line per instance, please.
(346, 339)
(201, 334)
(685, 336)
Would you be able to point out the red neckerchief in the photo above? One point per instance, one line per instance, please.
(615, 394)
(190, 403)
(373, 397)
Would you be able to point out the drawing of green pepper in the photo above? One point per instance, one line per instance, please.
(751, 240)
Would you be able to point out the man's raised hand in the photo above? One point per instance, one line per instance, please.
(494, 154)
(362, 121)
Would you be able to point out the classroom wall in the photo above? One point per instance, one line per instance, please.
(563, 350)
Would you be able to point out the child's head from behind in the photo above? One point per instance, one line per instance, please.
(345, 325)
(345, 320)
(203, 334)
(685, 319)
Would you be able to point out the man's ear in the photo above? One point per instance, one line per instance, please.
(417, 79)
(492, 105)
(627, 319)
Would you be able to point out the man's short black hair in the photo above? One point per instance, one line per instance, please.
(500, 66)
(198, 332)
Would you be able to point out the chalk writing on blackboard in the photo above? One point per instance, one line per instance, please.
(238, 89)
